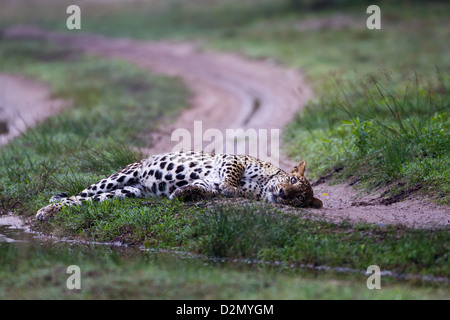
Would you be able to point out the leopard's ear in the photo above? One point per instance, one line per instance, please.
(316, 204)
(299, 169)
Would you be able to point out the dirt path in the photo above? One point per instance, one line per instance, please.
(230, 92)
(23, 103)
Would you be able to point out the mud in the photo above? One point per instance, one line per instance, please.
(14, 229)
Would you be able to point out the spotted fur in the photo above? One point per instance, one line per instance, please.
(197, 175)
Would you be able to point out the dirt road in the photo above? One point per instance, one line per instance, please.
(23, 103)
(231, 92)
(228, 92)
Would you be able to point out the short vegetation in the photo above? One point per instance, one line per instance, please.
(113, 105)
(380, 134)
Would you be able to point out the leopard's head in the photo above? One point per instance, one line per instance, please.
(295, 190)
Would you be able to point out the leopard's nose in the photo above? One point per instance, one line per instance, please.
(282, 194)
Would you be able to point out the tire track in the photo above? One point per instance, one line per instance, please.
(228, 91)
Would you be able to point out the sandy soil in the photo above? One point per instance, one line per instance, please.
(342, 202)
(229, 92)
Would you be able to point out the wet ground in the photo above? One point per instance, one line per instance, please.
(12, 229)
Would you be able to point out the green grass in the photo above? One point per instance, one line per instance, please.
(413, 34)
(114, 106)
(84, 143)
(39, 272)
(106, 89)
(254, 231)
(261, 232)
(381, 134)
(336, 61)
(151, 222)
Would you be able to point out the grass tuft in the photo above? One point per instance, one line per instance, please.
(379, 131)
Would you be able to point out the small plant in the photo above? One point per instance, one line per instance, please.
(361, 132)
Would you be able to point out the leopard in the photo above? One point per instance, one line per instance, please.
(197, 175)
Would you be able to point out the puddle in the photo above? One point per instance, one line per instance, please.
(298, 266)
(13, 229)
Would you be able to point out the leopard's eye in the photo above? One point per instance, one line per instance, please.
(293, 180)
(300, 198)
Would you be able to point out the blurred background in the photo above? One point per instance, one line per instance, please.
(317, 35)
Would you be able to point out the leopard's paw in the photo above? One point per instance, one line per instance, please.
(48, 211)
(229, 191)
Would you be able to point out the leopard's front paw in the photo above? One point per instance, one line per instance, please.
(229, 191)
(178, 193)
(48, 211)
(191, 193)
